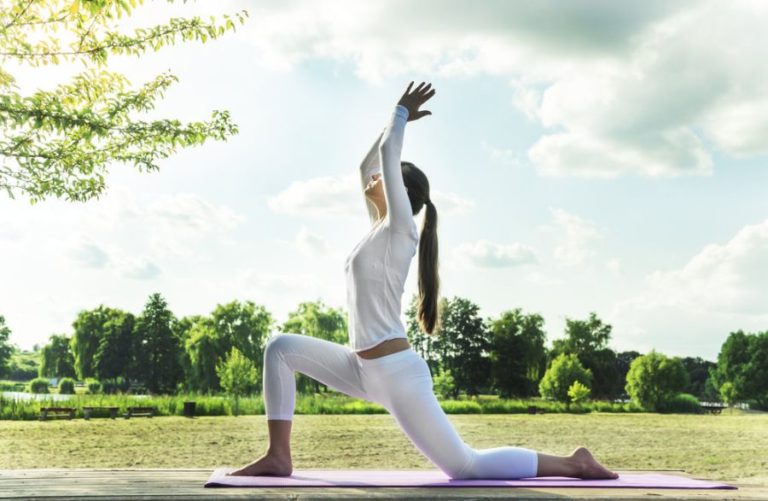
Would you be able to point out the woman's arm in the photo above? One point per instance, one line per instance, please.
(368, 167)
(398, 206)
(407, 109)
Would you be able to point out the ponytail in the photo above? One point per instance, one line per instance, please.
(429, 280)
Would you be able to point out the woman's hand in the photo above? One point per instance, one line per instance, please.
(412, 100)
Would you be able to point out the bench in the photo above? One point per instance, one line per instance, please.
(88, 411)
(712, 408)
(53, 412)
(140, 411)
(532, 409)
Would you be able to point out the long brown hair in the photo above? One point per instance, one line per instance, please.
(417, 185)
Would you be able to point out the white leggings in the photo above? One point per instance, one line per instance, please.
(400, 382)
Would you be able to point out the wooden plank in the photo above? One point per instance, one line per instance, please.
(161, 483)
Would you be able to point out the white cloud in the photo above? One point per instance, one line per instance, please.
(277, 283)
(614, 265)
(577, 237)
(451, 203)
(321, 196)
(139, 269)
(501, 155)
(725, 278)
(629, 89)
(310, 244)
(332, 196)
(485, 254)
(188, 213)
(88, 253)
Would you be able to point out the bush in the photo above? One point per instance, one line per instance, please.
(116, 385)
(443, 383)
(67, 386)
(654, 379)
(94, 386)
(565, 369)
(578, 392)
(39, 385)
(682, 403)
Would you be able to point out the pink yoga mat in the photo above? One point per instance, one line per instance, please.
(436, 478)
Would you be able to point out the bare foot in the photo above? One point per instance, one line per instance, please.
(589, 468)
(269, 464)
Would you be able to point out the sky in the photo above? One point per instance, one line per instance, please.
(582, 156)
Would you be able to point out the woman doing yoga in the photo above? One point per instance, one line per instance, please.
(380, 365)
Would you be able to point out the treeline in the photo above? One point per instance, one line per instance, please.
(508, 355)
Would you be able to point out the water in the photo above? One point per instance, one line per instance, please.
(20, 395)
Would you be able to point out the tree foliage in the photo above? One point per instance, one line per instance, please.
(654, 379)
(6, 349)
(59, 142)
(743, 362)
(159, 355)
(238, 375)
(56, 358)
(517, 353)
(562, 373)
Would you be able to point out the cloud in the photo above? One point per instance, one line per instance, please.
(577, 235)
(310, 244)
(139, 269)
(189, 213)
(88, 253)
(331, 196)
(278, 283)
(320, 196)
(725, 278)
(645, 89)
(485, 254)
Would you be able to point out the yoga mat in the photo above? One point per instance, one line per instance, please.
(436, 478)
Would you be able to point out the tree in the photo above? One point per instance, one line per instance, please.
(743, 362)
(6, 349)
(85, 342)
(421, 342)
(463, 345)
(623, 361)
(202, 347)
(317, 320)
(578, 392)
(654, 379)
(588, 339)
(160, 350)
(113, 357)
(238, 375)
(59, 142)
(517, 353)
(698, 374)
(56, 358)
(562, 373)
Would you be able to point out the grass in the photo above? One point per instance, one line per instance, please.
(727, 447)
(319, 403)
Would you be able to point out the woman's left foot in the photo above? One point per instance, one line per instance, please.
(588, 466)
(269, 464)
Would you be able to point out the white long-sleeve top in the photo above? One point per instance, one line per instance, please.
(378, 266)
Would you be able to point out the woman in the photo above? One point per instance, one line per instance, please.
(381, 366)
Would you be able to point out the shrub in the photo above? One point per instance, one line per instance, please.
(67, 386)
(443, 383)
(94, 386)
(682, 403)
(116, 385)
(39, 385)
(563, 371)
(578, 392)
(655, 378)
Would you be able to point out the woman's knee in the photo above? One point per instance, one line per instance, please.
(276, 344)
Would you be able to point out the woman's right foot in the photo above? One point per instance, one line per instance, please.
(588, 466)
(270, 464)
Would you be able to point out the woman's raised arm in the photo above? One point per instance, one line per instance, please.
(368, 167)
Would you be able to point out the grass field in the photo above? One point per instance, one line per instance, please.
(724, 447)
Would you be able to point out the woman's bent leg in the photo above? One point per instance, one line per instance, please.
(329, 363)
(410, 399)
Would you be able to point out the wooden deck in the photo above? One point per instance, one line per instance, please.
(48, 484)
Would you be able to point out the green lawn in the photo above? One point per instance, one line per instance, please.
(725, 447)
